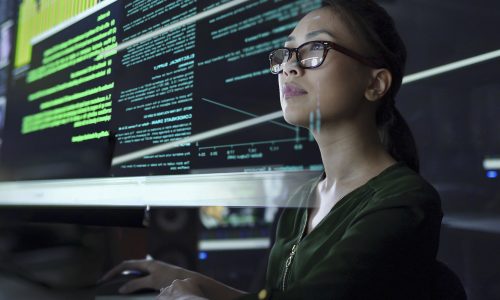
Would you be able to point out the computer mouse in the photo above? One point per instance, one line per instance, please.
(112, 285)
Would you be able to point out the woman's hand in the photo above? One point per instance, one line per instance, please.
(160, 274)
(173, 281)
(185, 289)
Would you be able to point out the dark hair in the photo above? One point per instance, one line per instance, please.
(370, 21)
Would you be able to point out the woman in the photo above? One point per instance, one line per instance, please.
(369, 226)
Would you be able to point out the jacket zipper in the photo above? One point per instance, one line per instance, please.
(289, 260)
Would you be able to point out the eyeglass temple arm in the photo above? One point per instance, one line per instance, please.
(354, 55)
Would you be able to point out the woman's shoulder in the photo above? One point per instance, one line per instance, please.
(399, 184)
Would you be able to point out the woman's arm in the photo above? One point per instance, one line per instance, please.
(213, 289)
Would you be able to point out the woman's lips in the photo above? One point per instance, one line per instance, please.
(291, 90)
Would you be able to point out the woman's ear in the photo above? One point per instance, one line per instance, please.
(380, 83)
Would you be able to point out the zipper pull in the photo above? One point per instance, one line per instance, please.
(288, 262)
(290, 257)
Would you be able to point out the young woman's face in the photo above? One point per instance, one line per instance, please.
(337, 87)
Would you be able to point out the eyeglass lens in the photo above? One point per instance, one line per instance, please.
(310, 56)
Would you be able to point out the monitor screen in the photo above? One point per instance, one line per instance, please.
(97, 89)
(141, 102)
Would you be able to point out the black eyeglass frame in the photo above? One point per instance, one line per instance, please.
(328, 46)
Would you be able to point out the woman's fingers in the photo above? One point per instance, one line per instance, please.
(182, 289)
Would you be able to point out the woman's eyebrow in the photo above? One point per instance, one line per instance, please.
(312, 34)
(318, 32)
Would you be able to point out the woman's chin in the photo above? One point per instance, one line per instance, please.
(296, 118)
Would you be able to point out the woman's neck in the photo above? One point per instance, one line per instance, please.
(351, 154)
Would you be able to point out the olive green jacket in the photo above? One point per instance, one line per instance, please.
(378, 242)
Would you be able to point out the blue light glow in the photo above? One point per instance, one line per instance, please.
(202, 255)
(492, 174)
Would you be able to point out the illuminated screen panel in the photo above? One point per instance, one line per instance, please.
(6, 47)
(74, 112)
(63, 96)
(204, 76)
(38, 16)
(75, 104)
(75, 109)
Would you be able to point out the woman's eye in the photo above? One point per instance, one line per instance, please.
(317, 47)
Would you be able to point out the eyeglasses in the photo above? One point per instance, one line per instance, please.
(311, 55)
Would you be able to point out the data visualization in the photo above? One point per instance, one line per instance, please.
(75, 102)
(38, 16)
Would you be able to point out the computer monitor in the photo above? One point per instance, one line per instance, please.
(135, 103)
(125, 103)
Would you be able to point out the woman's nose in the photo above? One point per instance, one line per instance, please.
(291, 67)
